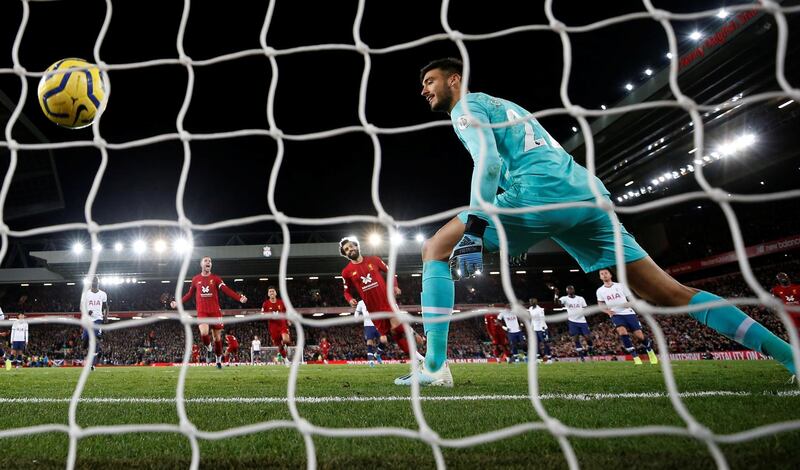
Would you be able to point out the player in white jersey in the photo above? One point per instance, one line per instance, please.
(513, 331)
(612, 295)
(2, 352)
(371, 334)
(576, 322)
(19, 340)
(94, 303)
(255, 350)
(540, 328)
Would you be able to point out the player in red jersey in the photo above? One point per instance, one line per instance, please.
(364, 275)
(195, 353)
(278, 327)
(207, 287)
(497, 335)
(324, 349)
(232, 348)
(790, 295)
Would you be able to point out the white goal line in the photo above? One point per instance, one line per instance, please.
(362, 399)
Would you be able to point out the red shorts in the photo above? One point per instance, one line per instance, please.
(233, 349)
(213, 326)
(278, 328)
(384, 326)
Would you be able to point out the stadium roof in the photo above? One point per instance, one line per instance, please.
(734, 60)
(239, 261)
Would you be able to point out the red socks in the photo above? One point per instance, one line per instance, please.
(399, 336)
(205, 339)
(218, 347)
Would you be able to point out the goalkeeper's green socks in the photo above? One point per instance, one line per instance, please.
(438, 295)
(736, 325)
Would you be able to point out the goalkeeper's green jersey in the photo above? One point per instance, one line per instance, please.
(522, 158)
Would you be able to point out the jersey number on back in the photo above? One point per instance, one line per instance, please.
(531, 142)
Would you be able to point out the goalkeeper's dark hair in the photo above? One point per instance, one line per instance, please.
(449, 65)
(273, 288)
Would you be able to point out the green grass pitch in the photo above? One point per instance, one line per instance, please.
(761, 397)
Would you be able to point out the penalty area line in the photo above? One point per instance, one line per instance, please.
(357, 399)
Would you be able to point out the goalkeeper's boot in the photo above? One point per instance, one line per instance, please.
(8, 364)
(653, 357)
(379, 359)
(440, 378)
(637, 360)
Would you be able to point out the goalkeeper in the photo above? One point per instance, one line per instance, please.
(534, 170)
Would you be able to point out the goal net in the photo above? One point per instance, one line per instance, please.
(691, 428)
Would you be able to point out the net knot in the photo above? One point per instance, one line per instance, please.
(187, 428)
(185, 136)
(276, 133)
(456, 35)
(100, 142)
(75, 432)
(13, 145)
(605, 205)
(659, 15)
(281, 218)
(362, 47)
(185, 60)
(575, 110)
(386, 219)
(184, 223)
(558, 26)
(641, 306)
(269, 51)
(4, 228)
(304, 427)
(718, 195)
(92, 227)
(686, 103)
(20, 70)
(429, 436)
(556, 428)
(698, 431)
(769, 300)
(371, 129)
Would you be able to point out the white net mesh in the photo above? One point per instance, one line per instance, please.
(424, 432)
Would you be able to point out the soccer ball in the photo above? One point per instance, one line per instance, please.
(71, 98)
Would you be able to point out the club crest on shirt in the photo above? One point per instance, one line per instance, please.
(463, 122)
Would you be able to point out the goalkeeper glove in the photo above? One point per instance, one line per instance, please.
(466, 260)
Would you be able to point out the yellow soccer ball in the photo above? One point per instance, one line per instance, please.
(71, 98)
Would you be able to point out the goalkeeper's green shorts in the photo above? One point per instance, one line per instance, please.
(586, 233)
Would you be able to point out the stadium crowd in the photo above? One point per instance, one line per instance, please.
(164, 341)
